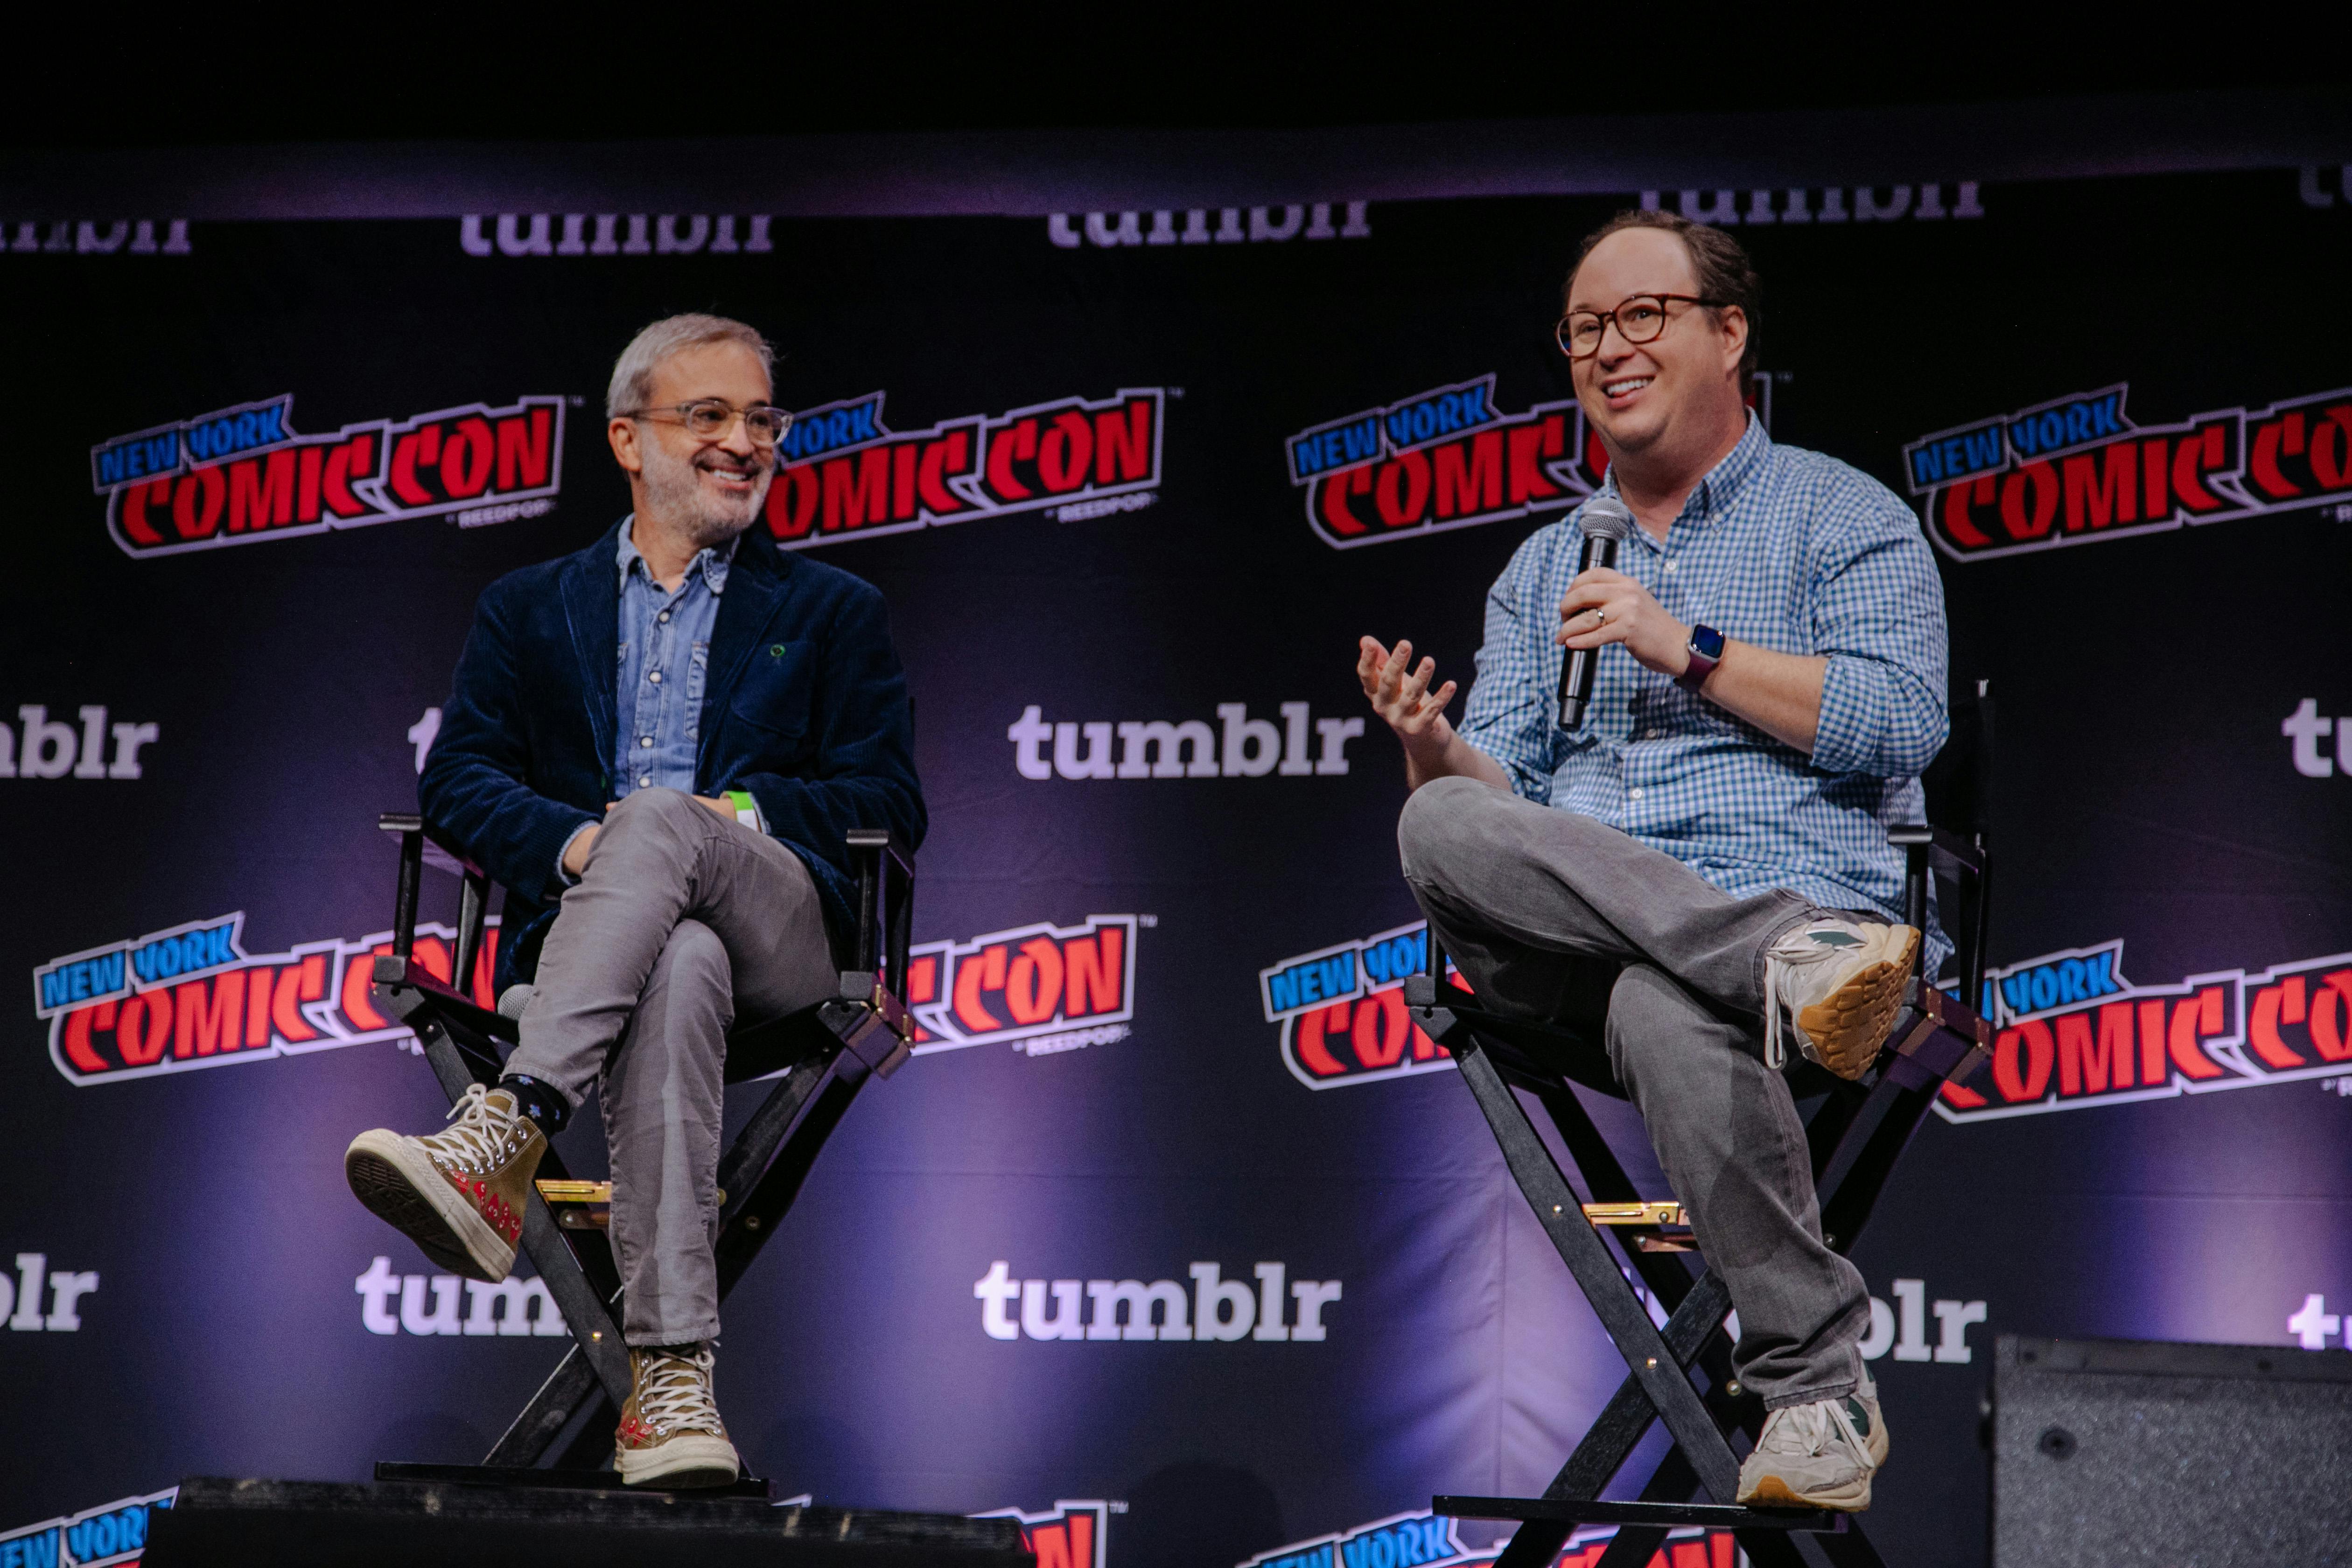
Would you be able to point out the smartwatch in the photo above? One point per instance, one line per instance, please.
(1706, 648)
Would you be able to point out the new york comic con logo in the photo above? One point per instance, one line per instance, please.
(842, 473)
(1424, 1540)
(191, 997)
(111, 1533)
(1448, 457)
(1039, 988)
(2070, 1032)
(1443, 459)
(1342, 1011)
(1067, 1535)
(2077, 469)
(238, 475)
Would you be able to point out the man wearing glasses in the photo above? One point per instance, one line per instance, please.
(1699, 872)
(657, 744)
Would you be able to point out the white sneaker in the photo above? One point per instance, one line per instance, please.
(1841, 983)
(1821, 1455)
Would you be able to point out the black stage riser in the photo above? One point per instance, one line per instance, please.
(328, 1524)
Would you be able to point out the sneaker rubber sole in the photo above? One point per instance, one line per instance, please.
(1846, 1027)
(1771, 1491)
(689, 1459)
(402, 1186)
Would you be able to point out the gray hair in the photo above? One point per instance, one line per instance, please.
(633, 373)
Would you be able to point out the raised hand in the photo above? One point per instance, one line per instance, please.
(1400, 694)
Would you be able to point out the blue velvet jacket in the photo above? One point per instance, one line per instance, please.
(805, 708)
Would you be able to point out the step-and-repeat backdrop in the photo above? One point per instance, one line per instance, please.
(1133, 483)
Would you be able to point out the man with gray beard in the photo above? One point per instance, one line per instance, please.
(657, 744)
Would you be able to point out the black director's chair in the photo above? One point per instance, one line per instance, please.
(1856, 1135)
(824, 1053)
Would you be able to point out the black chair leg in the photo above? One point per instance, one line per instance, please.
(1632, 1546)
(568, 1388)
(1535, 1544)
(1561, 1214)
(773, 1155)
(580, 1275)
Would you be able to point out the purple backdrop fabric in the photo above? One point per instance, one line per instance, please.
(1117, 470)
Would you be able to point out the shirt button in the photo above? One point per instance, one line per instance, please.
(645, 782)
(663, 616)
(655, 678)
(645, 740)
(1669, 566)
(1637, 794)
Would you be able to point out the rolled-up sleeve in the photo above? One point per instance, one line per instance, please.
(1879, 614)
(1508, 713)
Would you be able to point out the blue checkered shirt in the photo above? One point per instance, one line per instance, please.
(665, 649)
(1779, 547)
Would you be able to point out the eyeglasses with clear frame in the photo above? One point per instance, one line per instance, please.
(710, 418)
(1639, 317)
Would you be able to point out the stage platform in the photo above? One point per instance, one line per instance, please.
(416, 1514)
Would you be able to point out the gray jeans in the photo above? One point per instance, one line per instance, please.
(1555, 916)
(682, 922)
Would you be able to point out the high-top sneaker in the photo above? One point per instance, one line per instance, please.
(1841, 982)
(459, 1195)
(1821, 1455)
(670, 1432)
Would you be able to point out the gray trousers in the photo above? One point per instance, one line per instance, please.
(1554, 916)
(682, 922)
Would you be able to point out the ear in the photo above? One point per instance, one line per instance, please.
(622, 435)
(1732, 322)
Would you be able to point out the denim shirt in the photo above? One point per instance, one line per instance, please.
(1787, 550)
(665, 651)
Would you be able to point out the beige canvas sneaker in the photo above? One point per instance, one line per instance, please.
(670, 1432)
(1821, 1455)
(459, 1195)
(1840, 984)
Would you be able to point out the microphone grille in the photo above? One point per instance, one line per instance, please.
(1606, 517)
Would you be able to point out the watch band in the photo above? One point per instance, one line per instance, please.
(1706, 650)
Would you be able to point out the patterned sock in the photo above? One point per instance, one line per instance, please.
(538, 1103)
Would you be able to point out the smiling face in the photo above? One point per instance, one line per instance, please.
(706, 490)
(1678, 388)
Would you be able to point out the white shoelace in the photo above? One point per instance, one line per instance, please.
(1809, 1428)
(479, 1141)
(1797, 949)
(676, 1393)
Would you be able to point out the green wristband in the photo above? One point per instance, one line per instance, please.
(747, 810)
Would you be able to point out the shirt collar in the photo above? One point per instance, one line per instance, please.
(712, 561)
(1724, 482)
(1714, 495)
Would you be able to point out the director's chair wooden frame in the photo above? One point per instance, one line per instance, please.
(1856, 1135)
(820, 1056)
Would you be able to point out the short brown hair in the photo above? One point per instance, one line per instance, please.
(1724, 271)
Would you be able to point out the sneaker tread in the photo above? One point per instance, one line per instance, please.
(444, 1229)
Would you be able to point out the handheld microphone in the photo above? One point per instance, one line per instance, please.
(1606, 521)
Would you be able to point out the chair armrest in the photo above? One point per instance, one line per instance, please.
(885, 905)
(1949, 850)
(422, 845)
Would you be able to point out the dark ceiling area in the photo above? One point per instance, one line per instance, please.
(445, 73)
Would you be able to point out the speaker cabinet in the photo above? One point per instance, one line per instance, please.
(2116, 1453)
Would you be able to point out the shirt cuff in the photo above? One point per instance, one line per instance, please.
(1854, 715)
(564, 878)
